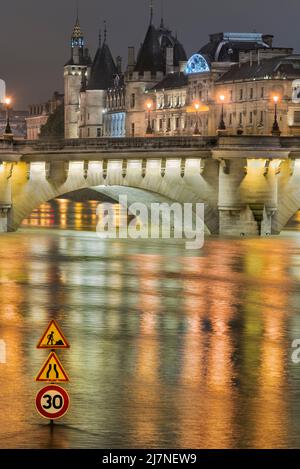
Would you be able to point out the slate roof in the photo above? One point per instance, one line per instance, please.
(225, 47)
(152, 54)
(277, 67)
(103, 70)
(173, 80)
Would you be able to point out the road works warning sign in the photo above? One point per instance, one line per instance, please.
(53, 338)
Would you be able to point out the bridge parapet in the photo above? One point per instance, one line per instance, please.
(153, 143)
(238, 144)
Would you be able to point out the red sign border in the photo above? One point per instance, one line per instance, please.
(53, 347)
(61, 412)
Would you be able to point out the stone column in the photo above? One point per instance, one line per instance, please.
(235, 216)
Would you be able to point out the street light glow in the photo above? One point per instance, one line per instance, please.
(7, 101)
(222, 98)
(275, 99)
(149, 104)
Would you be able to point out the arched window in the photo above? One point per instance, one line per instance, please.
(197, 64)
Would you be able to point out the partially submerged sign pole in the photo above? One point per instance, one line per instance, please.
(52, 402)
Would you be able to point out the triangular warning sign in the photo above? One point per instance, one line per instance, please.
(52, 371)
(53, 338)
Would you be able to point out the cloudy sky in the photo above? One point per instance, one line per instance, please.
(35, 34)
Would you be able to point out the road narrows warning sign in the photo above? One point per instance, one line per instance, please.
(52, 371)
(53, 338)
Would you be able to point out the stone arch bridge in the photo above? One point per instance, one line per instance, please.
(249, 185)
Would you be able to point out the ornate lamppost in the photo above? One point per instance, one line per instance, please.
(222, 125)
(149, 130)
(8, 133)
(197, 107)
(275, 128)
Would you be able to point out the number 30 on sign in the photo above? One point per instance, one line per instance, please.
(52, 402)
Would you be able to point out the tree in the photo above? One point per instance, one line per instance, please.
(55, 125)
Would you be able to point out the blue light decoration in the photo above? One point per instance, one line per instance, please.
(77, 42)
(196, 64)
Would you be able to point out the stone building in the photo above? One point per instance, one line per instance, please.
(39, 115)
(237, 83)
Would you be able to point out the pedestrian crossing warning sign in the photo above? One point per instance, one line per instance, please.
(52, 371)
(53, 338)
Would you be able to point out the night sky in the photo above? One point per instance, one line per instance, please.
(35, 34)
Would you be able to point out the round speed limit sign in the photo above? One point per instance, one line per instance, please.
(52, 402)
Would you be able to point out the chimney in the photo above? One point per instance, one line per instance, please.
(268, 39)
(119, 64)
(131, 59)
(170, 60)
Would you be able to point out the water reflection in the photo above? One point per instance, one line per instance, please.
(170, 348)
(66, 214)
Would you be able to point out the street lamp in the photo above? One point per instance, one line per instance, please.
(222, 125)
(149, 130)
(197, 107)
(275, 128)
(7, 106)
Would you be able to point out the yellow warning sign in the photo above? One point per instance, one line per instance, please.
(53, 338)
(52, 371)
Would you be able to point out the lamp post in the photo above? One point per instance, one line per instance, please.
(149, 130)
(8, 131)
(275, 128)
(222, 125)
(197, 107)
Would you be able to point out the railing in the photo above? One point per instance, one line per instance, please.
(149, 143)
(111, 143)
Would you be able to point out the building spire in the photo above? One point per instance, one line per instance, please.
(100, 38)
(162, 23)
(151, 11)
(77, 35)
(105, 31)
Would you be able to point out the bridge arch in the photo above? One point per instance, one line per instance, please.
(36, 185)
(288, 196)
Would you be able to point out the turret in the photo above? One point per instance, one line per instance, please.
(78, 65)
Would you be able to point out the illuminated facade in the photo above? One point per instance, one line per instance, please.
(237, 83)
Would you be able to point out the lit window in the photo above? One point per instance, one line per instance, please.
(196, 64)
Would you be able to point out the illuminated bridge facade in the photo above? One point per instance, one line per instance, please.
(249, 185)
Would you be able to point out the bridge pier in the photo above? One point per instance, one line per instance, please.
(235, 217)
(247, 196)
(5, 195)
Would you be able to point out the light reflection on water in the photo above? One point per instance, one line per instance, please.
(170, 348)
(66, 214)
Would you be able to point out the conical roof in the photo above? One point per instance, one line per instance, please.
(103, 70)
(150, 57)
(77, 33)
